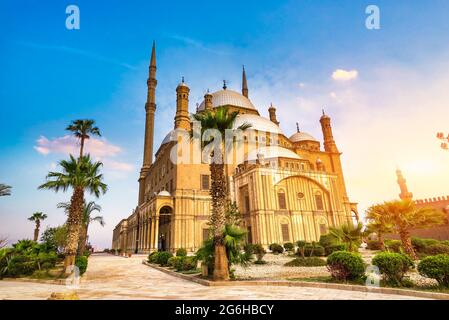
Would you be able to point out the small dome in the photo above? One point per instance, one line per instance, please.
(271, 152)
(302, 136)
(173, 134)
(164, 193)
(257, 123)
(228, 97)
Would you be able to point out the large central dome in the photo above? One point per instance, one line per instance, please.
(228, 97)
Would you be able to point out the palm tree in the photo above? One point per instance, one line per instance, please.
(5, 190)
(37, 217)
(87, 218)
(83, 129)
(221, 120)
(80, 175)
(378, 223)
(404, 215)
(348, 234)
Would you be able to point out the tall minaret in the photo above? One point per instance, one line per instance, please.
(182, 118)
(404, 195)
(244, 83)
(150, 109)
(329, 143)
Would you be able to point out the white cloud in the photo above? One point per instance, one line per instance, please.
(344, 75)
(97, 148)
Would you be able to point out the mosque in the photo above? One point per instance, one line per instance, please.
(286, 187)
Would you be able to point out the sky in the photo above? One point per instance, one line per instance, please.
(385, 89)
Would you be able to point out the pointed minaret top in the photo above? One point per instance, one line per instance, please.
(244, 83)
(224, 85)
(153, 55)
(297, 127)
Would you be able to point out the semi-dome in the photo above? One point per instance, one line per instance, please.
(164, 193)
(228, 97)
(270, 152)
(302, 136)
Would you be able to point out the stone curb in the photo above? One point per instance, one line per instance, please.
(59, 282)
(286, 283)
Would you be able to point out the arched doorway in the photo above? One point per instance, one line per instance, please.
(164, 228)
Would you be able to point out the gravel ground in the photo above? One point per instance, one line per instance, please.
(275, 269)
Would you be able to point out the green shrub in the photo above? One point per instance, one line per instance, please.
(259, 251)
(301, 245)
(393, 245)
(393, 266)
(162, 257)
(288, 246)
(172, 261)
(445, 242)
(336, 247)
(47, 260)
(436, 267)
(81, 263)
(374, 245)
(344, 265)
(152, 257)
(276, 248)
(181, 252)
(327, 240)
(306, 262)
(313, 250)
(435, 249)
(420, 244)
(20, 265)
(189, 263)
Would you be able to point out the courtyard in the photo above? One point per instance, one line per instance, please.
(113, 277)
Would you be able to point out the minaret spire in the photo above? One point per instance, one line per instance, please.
(297, 127)
(404, 195)
(244, 83)
(150, 109)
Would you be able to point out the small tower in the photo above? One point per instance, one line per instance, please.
(208, 101)
(404, 195)
(272, 112)
(244, 83)
(150, 109)
(329, 143)
(182, 119)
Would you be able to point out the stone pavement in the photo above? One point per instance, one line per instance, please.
(111, 277)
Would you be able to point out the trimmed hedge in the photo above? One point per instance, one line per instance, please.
(393, 245)
(160, 257)
(327, 240)
(276, 248)
(313, 251)
(259, 251)
(336, 247)
(182, 263)
(81, 263)
(181, 252)
(436, 267)
(436, 249)
(306, 262)
(373, 245)
(344, 265)
(393, 266)
(420, 244)
(288, 246)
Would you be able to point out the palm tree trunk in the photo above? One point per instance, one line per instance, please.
(407, 244)
(73, 226)
(36, 233)
(83, 239)
(81, 147)
(218, 195)
(380, 238)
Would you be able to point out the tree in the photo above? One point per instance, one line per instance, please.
(220, 120)
(404, 215)
(348, 234)
(83, 129)
(5, 190)
(87, 218)
(80, 175)
(37, 217)
(55, 237)
(378, 223)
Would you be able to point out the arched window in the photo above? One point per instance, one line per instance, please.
(281, 200)
(319, 201)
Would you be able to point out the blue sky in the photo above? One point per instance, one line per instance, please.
(386, 116)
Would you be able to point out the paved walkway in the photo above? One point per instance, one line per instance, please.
(111, 277)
